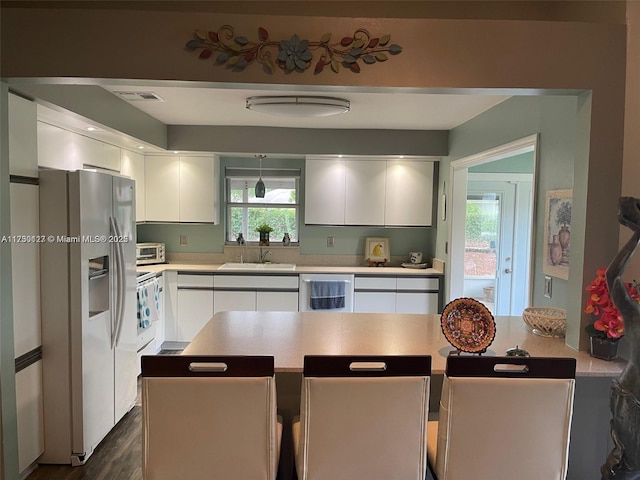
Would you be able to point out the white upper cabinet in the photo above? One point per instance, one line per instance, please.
(324, 191)
(57, 148)
(181, 189)
(64, 150)
(132, 165)
(351, 191)
(197, 189)
(23, 137)
(162, 188)
(365, 192)
(409, 193)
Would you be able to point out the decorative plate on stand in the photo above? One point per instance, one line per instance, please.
(468, 325)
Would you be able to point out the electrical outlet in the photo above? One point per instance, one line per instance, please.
(329, 241)
(184, 240)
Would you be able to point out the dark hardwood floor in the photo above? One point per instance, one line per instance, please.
(118, 457)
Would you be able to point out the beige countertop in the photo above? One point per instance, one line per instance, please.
(289, 336)
(204, 267)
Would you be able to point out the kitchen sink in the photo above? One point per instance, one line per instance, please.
(283, 267)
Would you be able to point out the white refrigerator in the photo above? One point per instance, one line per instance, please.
(88, 288)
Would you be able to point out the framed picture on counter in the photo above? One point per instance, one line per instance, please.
(377, 250)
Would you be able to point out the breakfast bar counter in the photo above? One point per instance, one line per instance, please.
(288, 336)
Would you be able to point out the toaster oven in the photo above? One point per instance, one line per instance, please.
(150, 253)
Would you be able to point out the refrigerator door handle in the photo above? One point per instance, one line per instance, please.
(120, 280)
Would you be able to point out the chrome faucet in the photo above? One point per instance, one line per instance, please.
(263, 256)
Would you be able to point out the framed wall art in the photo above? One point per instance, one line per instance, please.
(557, 233)
(377, 250)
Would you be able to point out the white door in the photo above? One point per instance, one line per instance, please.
(489, 256)
(512, 242)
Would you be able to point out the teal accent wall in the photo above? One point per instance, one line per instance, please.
(313, 239)
(554, 118)
(522, 163)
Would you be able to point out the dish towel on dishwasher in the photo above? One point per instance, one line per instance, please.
(327, 294)
(148, 302)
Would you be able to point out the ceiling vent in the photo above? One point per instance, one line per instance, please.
(140, 96)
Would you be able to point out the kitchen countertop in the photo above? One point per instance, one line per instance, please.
(357, 270)
(288, 336)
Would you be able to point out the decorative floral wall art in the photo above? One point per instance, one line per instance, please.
(293, 54)
(557, 233)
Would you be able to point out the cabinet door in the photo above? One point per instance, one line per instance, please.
(416, 302)
(277, 301)
(27, 329)
(195, 309)
(374, 302)
(230, 300)
(162, 188)
(57, 148)
(409, 193)
(365, 197)
(170, 314)
(197, 189)
(324, 191)
(100, 154)
(132, 165)
(161, 313)
(23, 137)
(29, 415)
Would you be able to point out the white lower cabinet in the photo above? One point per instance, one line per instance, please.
(374, 302)
(416, 302)
(276, 301)
(260, 293)
(29, 415)
(161, 314)
(397, 294)
(170, 314)
(195, 305)
(234, 300)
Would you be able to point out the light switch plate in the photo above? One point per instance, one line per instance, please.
(547, 286)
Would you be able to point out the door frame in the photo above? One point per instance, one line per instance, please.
(459, 176)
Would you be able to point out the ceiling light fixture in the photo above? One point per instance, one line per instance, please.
(260, 187)
(299, 106)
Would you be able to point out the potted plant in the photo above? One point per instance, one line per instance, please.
(264, 230)
(608, 326)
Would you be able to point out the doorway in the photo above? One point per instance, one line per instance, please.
(491, 227)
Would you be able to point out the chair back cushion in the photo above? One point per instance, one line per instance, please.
(505, 425)
(369, 425)
(204, 427)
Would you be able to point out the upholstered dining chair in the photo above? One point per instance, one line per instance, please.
(209, 417)
(363, 417)
(502, 418)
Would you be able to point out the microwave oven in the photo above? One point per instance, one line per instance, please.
(150, 253)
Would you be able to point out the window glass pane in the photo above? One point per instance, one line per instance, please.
(279, 207)
(282, 219)
(278, 190)
(482, 228)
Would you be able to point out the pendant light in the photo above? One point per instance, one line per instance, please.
(260, 188)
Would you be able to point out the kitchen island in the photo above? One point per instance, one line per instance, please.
(288, 336)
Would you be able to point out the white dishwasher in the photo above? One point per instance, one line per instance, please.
(305, 291)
